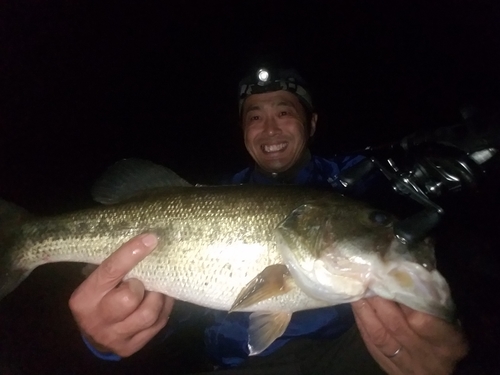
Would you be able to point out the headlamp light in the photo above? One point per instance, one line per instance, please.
(263, 75)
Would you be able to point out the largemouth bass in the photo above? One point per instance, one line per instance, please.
(268, 250)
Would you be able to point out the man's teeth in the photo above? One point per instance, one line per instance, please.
(274, 148)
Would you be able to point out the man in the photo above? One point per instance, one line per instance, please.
(117, 318)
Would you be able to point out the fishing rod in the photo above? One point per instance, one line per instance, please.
(426, 165)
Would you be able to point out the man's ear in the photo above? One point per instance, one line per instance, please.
(312, 128)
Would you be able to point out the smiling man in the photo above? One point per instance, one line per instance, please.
(278, 121)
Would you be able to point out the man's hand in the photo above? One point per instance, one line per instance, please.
(120, 316)
(405, 341)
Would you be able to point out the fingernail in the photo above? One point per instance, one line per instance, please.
(149, 240)
(135, 286)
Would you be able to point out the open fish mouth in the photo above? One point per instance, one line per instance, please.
(330, 261)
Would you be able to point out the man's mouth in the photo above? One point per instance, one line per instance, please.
(274, 147)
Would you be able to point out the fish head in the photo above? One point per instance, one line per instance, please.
(338, 251)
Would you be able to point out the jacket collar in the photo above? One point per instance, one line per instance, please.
(287, 177)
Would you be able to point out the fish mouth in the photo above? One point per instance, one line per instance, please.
(273, 147)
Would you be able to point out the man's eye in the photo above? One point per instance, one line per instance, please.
(252, 120)
(284, 113)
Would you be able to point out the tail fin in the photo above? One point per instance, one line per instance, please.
(11, 219)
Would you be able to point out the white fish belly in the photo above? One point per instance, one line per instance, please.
(214, 275)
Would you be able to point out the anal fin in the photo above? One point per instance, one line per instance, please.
(272, 281)
(264, 328)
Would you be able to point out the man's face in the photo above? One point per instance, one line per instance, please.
(275, 131)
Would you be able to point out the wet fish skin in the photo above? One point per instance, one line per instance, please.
(209, 237)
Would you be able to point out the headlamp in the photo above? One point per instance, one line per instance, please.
(263, 75)
(263, 81)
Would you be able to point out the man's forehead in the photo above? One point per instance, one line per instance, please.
(271, 98)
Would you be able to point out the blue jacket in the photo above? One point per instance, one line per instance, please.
(317, 172)
(226, 337)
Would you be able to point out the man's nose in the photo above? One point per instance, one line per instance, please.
(272, 127)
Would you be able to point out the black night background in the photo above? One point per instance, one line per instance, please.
(86, 83)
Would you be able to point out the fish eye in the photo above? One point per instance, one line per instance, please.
(380, 218)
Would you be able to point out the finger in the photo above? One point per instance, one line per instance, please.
(145, 315)
(88, 269)
(112, 270)
(373, 329)
(140, 339)
(122, 301)
(392, 364)
(434, 330)
(393, 319)
(144, 336)
(360, 322)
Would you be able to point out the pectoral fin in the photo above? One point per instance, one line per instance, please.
(273, 281)
(264, 328)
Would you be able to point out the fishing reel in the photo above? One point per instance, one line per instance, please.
(429, 165)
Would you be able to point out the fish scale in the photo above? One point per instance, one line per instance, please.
(201, 232)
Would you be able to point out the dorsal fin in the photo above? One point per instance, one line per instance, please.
(130, 177)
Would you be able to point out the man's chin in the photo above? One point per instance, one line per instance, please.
(274, 166)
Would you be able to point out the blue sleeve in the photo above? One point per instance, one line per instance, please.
(349, 161)
(101, 355)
